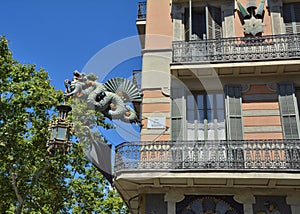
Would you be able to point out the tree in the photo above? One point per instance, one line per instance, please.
(31, 179)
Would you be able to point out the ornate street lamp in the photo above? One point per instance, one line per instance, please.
(60, 131)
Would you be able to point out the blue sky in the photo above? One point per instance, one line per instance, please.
(63, 35)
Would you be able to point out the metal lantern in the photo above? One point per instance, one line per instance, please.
(60, 131)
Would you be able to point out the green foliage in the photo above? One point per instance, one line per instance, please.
(31, 179)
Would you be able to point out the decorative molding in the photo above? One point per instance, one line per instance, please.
(156, 100)
(245, 87)
(244, 198)
(272, 86)
(256, 112)
(262, 129)
(174, 196)
(260, 97)
(165, 91)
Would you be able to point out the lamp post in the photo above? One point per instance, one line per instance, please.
(60, 131)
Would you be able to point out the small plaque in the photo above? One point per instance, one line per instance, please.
(156, 122)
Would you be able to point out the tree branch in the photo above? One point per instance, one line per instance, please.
(21, 199)
(14, 184)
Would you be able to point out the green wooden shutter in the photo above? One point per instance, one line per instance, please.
(234, 120)
(288, 110)
(291, 17)
(177, 111)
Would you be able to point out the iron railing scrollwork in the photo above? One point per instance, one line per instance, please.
(142, 10)
(280, 155)
(237, 49)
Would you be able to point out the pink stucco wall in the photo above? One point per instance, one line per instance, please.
(159, 25)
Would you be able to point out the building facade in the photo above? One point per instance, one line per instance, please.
(220, 111)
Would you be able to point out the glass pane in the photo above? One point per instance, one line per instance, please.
(61, 133)
(190, 102)
(201, 116)
(190, 116)
(220, 115)
(220, 101)
(210, 101)
(200, 102)
(190, 109)
(53, 134)
(210, 116)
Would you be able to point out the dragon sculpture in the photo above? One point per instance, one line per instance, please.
(109, 98)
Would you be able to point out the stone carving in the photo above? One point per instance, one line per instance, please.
(109, 98)
(252, 17)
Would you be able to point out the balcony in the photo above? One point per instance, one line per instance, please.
(216, 156)
(141, 22)
(142, 6)
(239, 49)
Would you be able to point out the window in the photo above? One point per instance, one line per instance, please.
(205, 116)
(206, 23)
(291, 17)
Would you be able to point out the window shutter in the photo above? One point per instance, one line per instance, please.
(234, 112)
(214, 22)
(291, 17)
(288, 111)
(186, 24)
(177, 110)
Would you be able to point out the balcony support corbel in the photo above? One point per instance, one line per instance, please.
(172, 197)
(247, 200)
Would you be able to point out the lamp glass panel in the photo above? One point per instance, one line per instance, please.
(54, 133)
(61, 133)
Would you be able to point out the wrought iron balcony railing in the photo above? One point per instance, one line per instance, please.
(239, 49)
(142, 10)
(268, 155)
